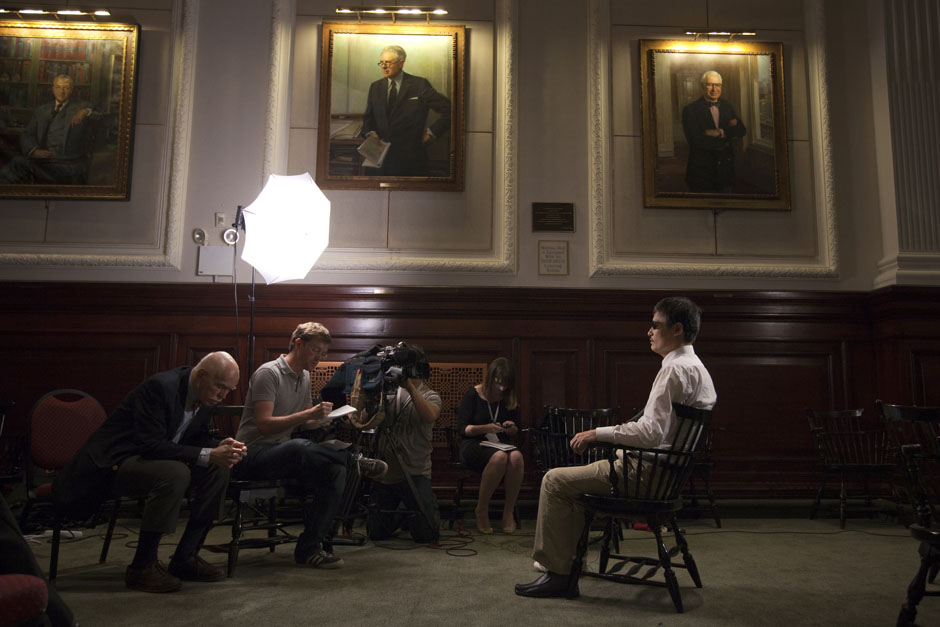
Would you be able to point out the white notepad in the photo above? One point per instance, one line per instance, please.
(345, 410)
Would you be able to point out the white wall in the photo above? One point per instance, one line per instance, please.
(225, 152)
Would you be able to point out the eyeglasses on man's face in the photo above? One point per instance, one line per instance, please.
(387, 63)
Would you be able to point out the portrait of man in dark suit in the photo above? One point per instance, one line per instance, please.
(54, 142)
(397, 112)
(711, 125)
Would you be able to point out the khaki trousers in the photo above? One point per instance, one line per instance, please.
(561, 515)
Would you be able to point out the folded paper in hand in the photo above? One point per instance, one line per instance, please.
(373, 151)
(499, 445)
(345, 410)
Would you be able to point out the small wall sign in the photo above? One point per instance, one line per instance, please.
(553, 216)
(553, 257)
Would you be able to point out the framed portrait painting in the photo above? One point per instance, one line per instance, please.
(66, 109)
(714, 125)
(391, 112)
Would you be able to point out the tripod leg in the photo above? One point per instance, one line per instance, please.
(395, 446)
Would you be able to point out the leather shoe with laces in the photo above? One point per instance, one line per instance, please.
(194, 568)
(152, 577)
(548, 585)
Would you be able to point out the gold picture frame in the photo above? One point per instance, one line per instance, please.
(690, 158)
(75, 143)
(352, 100)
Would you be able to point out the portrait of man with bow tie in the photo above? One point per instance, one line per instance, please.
(714, 125)
(711, 125)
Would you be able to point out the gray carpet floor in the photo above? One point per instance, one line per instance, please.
(755, 571)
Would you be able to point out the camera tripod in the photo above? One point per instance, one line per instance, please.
(384, 440)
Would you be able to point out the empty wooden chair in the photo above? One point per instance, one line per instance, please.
(702, 472)
(853, 450)
(551, 438)
(916, 431)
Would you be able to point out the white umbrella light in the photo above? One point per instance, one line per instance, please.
(287, 228)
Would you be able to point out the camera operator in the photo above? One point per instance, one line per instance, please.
(411, 411)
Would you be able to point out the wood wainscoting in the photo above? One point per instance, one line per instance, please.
(771, 354)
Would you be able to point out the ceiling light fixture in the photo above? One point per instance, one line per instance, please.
(394, 11)
(58, 12)
(719, 33)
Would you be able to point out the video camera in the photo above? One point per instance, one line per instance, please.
(373, 375)
(403, 361)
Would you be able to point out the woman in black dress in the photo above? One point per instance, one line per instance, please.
(487, 421)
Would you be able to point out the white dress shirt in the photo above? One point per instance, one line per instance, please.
(681, 379)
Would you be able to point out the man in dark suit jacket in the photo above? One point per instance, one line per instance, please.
(54, 141)
(156, 446)
(710, 125)
(397, 112)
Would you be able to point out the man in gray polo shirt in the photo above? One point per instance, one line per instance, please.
(278, 401)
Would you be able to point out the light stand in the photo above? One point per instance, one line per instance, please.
(239, 224)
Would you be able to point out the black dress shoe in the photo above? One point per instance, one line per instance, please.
(549, 585)
(151, 578)
(194, 568)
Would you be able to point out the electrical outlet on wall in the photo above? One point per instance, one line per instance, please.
(219, 219)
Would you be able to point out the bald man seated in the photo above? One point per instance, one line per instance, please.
(157, 446)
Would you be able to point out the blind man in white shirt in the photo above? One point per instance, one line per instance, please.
(681, 379)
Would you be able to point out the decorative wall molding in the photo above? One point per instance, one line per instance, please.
(603, 263)
(821, 140)
(277, 117)
(185, 27)
(599, 133)
(503, 259)
(909, 269)
(176, 163)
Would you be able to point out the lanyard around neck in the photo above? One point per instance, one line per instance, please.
(493, 416)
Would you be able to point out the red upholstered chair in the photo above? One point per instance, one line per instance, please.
(22, 598)
(58, 425)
